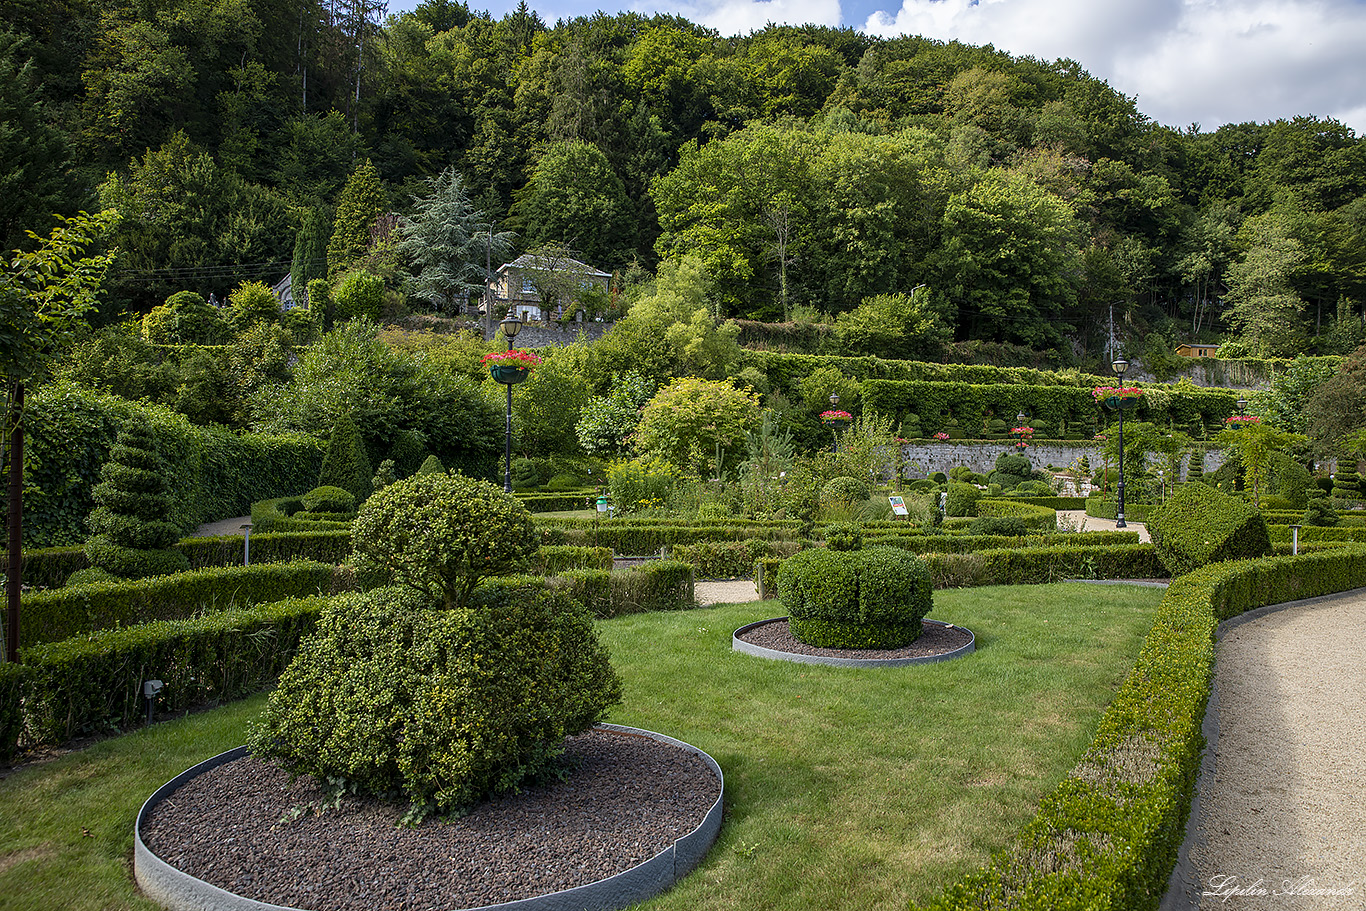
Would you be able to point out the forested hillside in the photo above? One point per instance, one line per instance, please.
(808, 169)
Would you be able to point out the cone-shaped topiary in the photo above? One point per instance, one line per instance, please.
(345, 464)
(431, 465)
(131, 532)
(1195, 468)
(1199, 525)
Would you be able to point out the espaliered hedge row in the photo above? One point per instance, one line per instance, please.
(94, 683)
(52, 616)
(1108, 836)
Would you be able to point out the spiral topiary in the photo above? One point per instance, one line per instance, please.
(132, 533)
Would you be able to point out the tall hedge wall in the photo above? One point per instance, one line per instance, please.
(212, 472)
(1071, 410)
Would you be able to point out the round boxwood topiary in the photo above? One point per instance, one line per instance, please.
(391, 695)
(872, 598)
(442, 534)
(329, 499)
(962, 499)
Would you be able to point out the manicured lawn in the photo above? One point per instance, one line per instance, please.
(845, 788)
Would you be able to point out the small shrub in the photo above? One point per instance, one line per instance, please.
(442, 534)
(442, 706)
(845, 490)
(843, 536)
(563, 481)
(962, 499)
(1320, 512)
(873, 598)
(329, 499)
(430, 466)
(1199, 525)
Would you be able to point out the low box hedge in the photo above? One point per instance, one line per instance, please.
(49, 567)
(51, 616)
(559, 501)
(1050, 502)
(286, 514)
(551, 559)
(957, 544)
(660, 585)
(640, 539)
(1038, 518)
(730, 559)
(1107, 508)
(1281, 533)
(93, 683)
(1042, 565)
(1108, 836)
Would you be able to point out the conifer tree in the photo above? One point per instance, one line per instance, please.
(362, 202)
(133, 534)
(345, 463)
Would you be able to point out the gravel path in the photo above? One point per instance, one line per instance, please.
(1079, 520)
(1280, 817)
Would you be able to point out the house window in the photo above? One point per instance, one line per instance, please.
(528, 286)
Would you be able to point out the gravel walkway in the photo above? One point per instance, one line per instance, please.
(1280, 815)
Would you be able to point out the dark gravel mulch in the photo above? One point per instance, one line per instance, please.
(933, 640)
(246, 828)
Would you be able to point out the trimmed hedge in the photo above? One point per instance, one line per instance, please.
(873, 598)
(641, 538)
(1106, 508)
(730, 559)
(661, 585)
(1108, 836)
(959, 544)
(287, 514)
(552, 558)
(1200, 525)
(560, 501)
(1050, 502)
(1281, 534)
(1040, 566)
(1039, 518)
(93, 684)
(58, 614)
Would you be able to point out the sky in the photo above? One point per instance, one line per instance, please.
(1186, 62)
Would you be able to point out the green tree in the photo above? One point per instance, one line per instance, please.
(607, 422)
(893, 326)
(360, 293)
(1266, 310)
(33, 153)
(345, 464)
(251, 303)
(361, 204)
(1256, 444)
(310, 253)
(547, 405)
(574, 197)
(185, 319)
(45, 296)
(690, 420)
(449, 246)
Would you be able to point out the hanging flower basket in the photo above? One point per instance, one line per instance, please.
(511, 367)
(836, 419)
(1241, 420)
(1117, 397)
(941, 436)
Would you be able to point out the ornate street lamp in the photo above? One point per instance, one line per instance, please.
(1120, 366)
(1242, 406)
(837, 420)
(510, 325)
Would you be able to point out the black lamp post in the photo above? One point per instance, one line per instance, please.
(1120, 366)
(1242, 407)
(834, 430)
(511, 325)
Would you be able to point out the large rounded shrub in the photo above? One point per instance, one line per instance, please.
(391, 695)
(442, 534)
(1199, 525)
(962, 499)
(845, 490)
(329, 499)
(873, 598)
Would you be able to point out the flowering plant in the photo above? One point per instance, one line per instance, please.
(941, 435)
(514, 358)
(1025, 432)
(829, 416)
(1242, 420)
(1116, 392)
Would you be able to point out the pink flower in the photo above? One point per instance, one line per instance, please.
(836, 416)
(514, 358)
(941, 435)
(1116, 392)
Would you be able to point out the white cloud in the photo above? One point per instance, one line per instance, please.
(1206, 61)
(739, 17)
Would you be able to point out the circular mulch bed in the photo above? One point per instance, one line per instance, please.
(938, 641)
(632, 805)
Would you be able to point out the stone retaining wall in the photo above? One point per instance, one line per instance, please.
(924, 457)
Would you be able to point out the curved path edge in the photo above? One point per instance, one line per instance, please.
(179, 891)
(1185, 885)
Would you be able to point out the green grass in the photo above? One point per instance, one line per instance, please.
(845, 788)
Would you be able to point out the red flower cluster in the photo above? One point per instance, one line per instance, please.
(941, 435)
(514, 358)
(1242, 420)
(836, 416)
(1116, 392)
